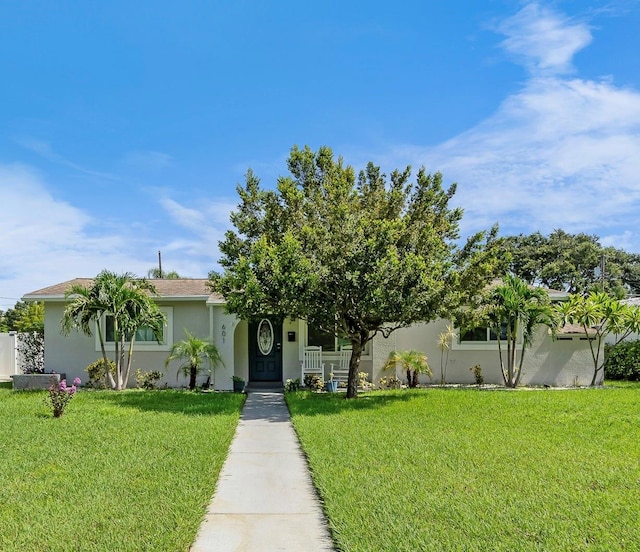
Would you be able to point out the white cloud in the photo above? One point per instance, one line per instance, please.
(543, 39)
(559, 153)
(45, 241)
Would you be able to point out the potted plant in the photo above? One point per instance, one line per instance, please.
(238, 384)
(331, 385)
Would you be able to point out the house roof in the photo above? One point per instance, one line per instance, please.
(575, 329)
(176, 289)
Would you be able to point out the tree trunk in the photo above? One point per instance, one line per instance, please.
(108, 373)
(354, 365)
(193, 371)
(129, 359)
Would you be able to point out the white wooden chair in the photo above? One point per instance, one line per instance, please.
(312, 362)
(340, 371)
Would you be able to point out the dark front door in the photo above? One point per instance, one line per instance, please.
(265, 350)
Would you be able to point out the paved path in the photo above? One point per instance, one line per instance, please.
(264, 500)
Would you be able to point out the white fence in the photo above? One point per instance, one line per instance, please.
(8, 356)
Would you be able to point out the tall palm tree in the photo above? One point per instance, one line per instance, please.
(195, 354)
(412, 362)
(517, 308)
(123, 297)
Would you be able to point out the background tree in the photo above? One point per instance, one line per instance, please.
(196, 354)
(23, 317)
(572, 263)
(599, 315)
(124, 298)
(353, 257)
(515, 309)
(156, 273)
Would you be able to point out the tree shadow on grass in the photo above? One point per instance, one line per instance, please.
(304, 403)
(174, 401)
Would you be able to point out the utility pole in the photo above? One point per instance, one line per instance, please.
(159, 264)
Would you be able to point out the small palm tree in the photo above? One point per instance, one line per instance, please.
(445, 339)
(195, 354)
(413, 362)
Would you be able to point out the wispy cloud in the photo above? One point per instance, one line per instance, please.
(562, 152)
(543, 40)
(148, 160)
(46, 151)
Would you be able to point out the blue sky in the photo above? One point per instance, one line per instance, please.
(126, 126)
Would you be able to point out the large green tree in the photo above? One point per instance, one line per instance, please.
(354, 256)
(127, 300)
(573, 263)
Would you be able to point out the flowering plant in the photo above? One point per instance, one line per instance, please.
(60, 395)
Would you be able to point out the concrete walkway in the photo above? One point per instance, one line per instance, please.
(264, 500)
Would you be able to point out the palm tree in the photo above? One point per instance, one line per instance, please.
(413, 362)
(516, 308)
(195, 353)
(600, 315)
(127, 300)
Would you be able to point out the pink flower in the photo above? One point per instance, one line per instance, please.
(63, 385)
(77, 381)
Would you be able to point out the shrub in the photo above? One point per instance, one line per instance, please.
(391, 382)
(477, 374)
(98, 373)
(363, 381)
(60, 395)
(313, 382)
(292, 384)
(147, 380)
(622, 361)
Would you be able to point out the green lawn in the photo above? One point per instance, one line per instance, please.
(132, 470)
(467, 469)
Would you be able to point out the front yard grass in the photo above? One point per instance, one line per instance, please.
(130, 470)
(467, 469)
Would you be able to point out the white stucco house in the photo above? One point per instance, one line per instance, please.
(270, 351)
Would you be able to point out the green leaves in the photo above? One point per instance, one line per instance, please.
(600, 315)
(195, 354)
(351, 255)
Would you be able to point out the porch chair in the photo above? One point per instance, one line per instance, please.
(312, 362)
(341, 370)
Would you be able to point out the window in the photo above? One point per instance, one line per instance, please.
(484, 335)
(481, 338)
(145, 340)
(143, 334)
(329, 342)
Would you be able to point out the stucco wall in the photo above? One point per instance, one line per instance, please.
(547, 361)
(73, 353)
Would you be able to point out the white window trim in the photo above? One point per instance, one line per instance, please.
(167, 332)
(329, 355)
(491, 345)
